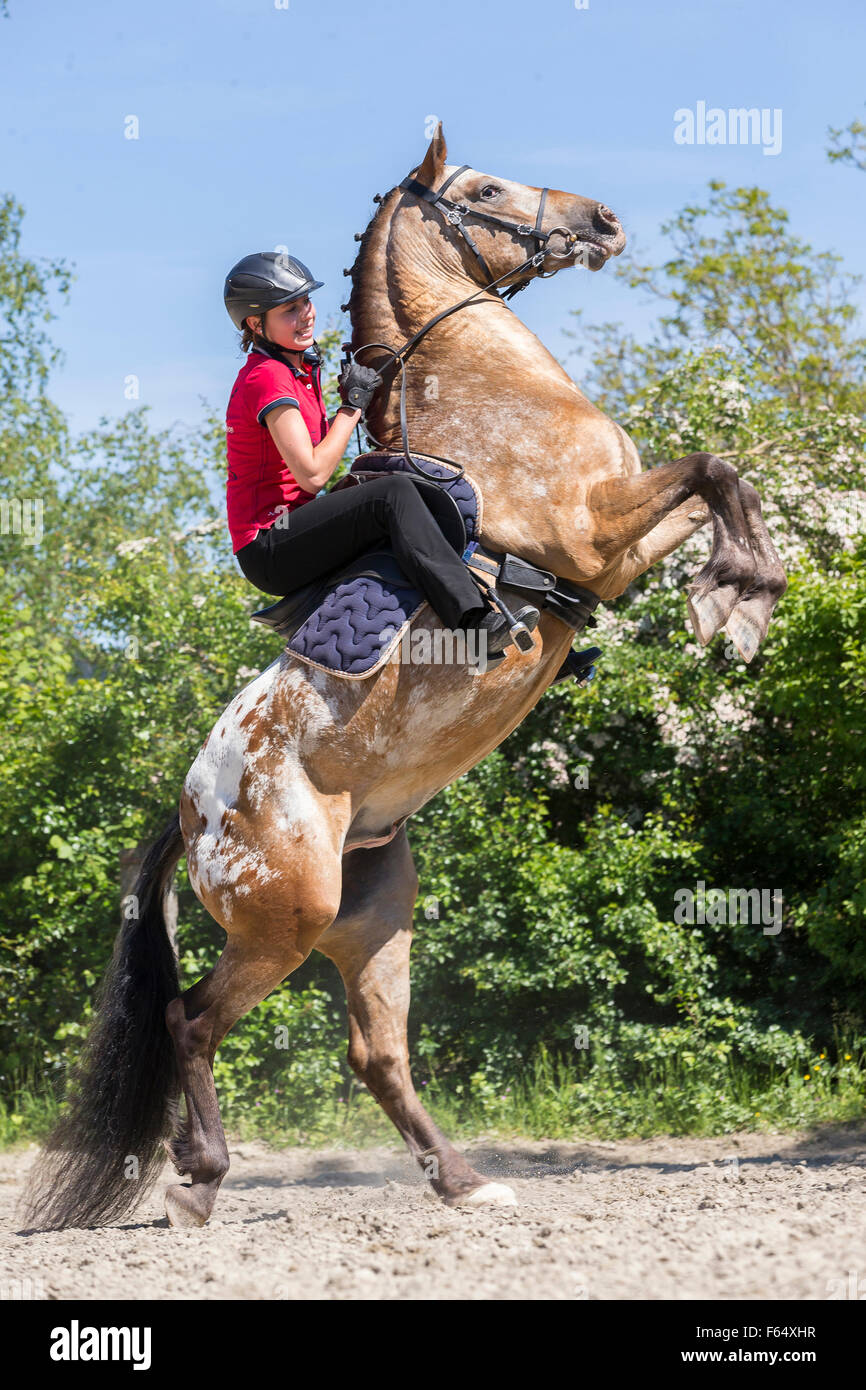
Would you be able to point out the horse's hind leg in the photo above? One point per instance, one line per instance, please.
(369, 943)
(198, 1022)
(268, 939)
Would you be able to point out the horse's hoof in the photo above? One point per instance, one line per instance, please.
(492, 1194)
(707, 616)
(180, 1210)
(744, 632)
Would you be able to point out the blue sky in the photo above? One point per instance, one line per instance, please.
(262, 126)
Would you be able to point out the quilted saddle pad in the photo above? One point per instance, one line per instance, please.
(350, 622)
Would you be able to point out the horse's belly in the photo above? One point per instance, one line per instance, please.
(440, 729)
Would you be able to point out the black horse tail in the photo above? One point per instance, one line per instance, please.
(106, 1152)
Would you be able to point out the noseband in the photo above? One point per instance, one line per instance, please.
(455, 214)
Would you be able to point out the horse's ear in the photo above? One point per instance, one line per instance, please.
(430, 171)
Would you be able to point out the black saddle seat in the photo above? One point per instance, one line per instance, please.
(290, 613)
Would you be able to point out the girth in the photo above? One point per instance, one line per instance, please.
(568, 601)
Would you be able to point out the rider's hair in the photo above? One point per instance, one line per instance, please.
(249, 339)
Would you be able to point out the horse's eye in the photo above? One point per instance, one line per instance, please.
(489, 190)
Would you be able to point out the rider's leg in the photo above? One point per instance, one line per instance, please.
(315, 538)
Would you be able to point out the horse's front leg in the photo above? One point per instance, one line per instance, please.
(750, 617)
(742, 563)
(369, 942)
(748, 622)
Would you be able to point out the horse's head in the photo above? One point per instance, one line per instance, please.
(509, 222)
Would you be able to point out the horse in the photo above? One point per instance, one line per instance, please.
(293, 815)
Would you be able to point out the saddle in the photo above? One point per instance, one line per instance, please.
(349, 622)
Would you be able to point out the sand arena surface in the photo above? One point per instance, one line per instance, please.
(745, 1216)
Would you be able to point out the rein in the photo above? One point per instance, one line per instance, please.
(455, 214)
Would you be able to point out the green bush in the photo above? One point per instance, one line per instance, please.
(552, 985)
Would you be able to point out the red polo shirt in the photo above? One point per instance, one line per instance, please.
(260, 486)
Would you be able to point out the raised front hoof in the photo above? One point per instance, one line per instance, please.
(490, 1194)
(747, 626)
(710, 611)
(745, 632)
(187, 1206)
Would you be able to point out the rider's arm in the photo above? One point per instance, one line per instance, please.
(310, 464)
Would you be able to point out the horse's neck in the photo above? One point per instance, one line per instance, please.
(481, 390)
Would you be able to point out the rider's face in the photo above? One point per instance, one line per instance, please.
(292, 325)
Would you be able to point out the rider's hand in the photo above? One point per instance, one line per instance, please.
(357, 385)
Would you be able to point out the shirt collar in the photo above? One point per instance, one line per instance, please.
(310, 358)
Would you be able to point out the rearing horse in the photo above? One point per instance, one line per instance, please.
(291, 816)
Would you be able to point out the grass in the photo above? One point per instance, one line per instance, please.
(555, 1099)
(560, 1100)
(28, 1113)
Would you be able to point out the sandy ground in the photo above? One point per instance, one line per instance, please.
(746, 1216)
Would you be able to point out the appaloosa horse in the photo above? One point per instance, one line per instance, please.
(289, 814)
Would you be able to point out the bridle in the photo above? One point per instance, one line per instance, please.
(455, 214)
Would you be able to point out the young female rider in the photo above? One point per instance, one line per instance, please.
(282, 449)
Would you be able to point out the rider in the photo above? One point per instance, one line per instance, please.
(282, 449)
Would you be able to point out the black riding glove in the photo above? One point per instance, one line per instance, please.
(357, 385)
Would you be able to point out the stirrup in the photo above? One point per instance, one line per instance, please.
(520, 624)
(580, 665)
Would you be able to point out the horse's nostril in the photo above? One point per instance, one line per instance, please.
(605, 215)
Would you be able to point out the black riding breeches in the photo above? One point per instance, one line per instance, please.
(315, 538)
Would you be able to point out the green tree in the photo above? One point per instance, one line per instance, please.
(549, 872)
(848, 144)
(740, 282)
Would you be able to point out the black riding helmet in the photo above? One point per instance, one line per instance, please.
(262, 281)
